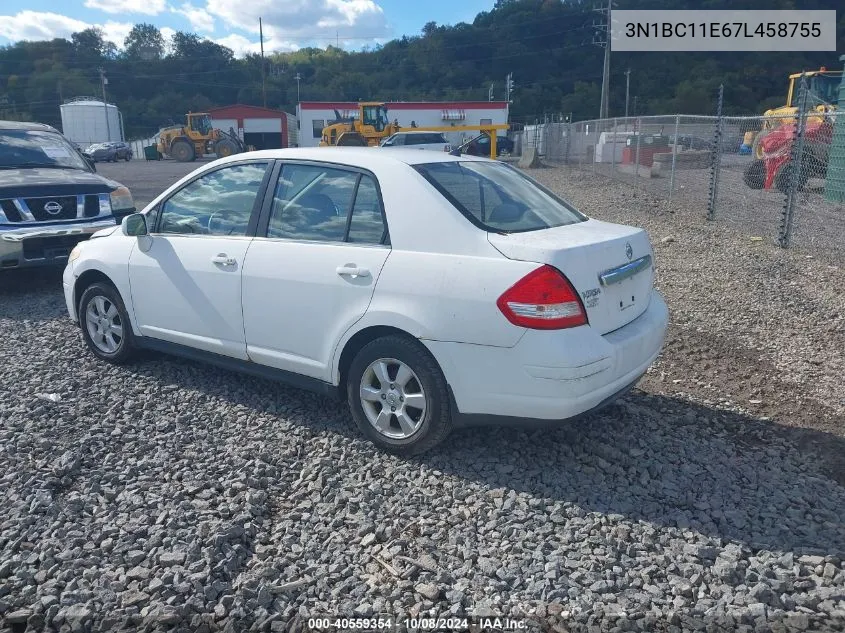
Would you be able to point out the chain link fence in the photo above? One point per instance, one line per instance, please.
(780, 180)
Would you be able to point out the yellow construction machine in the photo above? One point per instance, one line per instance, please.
(822, 85)
(371, 125)
(368, 127)
(197, 137)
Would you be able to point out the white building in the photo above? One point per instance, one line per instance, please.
(313, 116)
(86, 121)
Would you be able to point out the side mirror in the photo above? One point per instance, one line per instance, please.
(134, 225)
(90, 161)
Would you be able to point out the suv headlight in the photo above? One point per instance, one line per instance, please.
(121, 200)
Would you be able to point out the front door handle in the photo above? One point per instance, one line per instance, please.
(351, 270)
(224, 260)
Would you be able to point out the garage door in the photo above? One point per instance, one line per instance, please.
(225, 124)
(262, 125)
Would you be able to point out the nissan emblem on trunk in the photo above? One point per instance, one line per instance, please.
(54, 208)
(628, 250)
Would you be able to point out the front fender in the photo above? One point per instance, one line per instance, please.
(110, 257)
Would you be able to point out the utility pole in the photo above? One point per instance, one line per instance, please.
(103, 82)
(298, 77)
(627, 89)
(602, 39)
(263, 78)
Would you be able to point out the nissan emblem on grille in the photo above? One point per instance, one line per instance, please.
(54, 208)
(628, 250)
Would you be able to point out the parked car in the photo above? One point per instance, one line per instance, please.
(123, 151)
(418, 140)
(480, 146)
(101, 152)
(428, 290)
(50, 196)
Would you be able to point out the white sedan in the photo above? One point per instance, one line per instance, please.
(428, 290)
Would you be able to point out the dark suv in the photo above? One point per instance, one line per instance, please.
(50, 196)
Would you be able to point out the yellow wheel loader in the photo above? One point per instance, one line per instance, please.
(184, 143)
(368, 127)
(823, 86)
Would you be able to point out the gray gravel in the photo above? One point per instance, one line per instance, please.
(171, 495)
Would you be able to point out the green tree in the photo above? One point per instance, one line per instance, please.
(144, 42)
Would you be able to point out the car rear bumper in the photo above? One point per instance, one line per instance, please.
(45, 245)
(551, 375)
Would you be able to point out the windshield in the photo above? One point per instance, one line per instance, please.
(497, 197)
(825, 88)
(37, 148)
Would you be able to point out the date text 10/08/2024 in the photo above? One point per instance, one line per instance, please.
(474, 624)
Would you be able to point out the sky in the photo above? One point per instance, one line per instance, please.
(288, 24)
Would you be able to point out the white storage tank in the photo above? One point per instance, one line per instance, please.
(87, 120)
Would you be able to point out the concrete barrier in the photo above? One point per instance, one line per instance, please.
(684, 159)
(530, 158)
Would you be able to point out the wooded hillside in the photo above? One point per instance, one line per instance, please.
(546, 44)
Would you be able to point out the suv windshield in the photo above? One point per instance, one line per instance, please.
(497, 197)
(37, 148)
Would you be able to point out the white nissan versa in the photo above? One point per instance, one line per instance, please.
(429, 290)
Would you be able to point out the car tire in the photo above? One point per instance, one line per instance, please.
(99, 298)
(427, 386)
(755, 174)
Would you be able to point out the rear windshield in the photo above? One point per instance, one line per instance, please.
(421, 139)
(497, 197)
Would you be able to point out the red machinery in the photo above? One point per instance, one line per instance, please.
(774, 168)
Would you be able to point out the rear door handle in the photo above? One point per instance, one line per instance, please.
(224, 260)
(352, 271)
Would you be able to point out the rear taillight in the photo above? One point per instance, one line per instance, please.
(543, 300)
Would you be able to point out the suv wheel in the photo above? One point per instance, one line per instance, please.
(105, 324)
(398, 396)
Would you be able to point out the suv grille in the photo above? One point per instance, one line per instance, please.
(59, 208)
(49, 209)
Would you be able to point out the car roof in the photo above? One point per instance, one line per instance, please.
(418, 132)
(365, 157)
(26, 125)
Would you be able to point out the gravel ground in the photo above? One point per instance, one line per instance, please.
(169, 494)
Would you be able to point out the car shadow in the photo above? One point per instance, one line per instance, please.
(653, 458)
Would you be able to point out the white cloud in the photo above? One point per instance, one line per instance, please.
(148, 7)
(200, 19)
(242, 46)
(353, 21)
(36, 25)
(116, 32)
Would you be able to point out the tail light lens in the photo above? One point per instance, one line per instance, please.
(543, 300)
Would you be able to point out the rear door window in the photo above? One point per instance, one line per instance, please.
(326, 204)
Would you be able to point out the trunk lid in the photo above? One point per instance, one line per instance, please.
(585, 252)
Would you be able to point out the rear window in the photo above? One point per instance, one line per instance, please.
(420, 139)
(497, 197)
